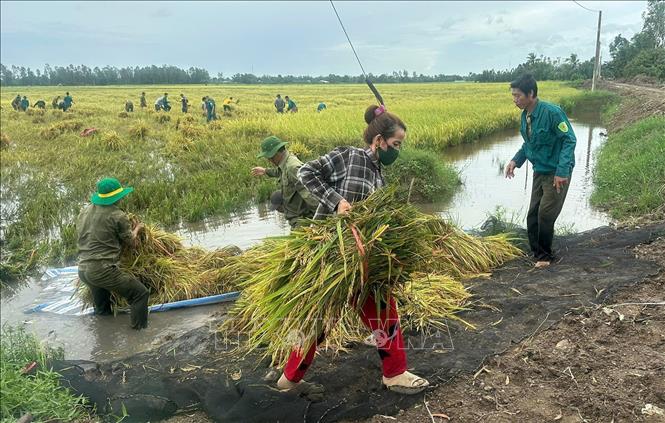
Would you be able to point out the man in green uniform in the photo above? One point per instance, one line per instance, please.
(24, 104)
(144, 103)
(67, 102)
(297, 201)
(103, 231)
(549, 144)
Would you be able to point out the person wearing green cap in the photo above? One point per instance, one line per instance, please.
(296, 201)
(103, 231)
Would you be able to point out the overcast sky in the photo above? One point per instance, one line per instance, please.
(305, 37)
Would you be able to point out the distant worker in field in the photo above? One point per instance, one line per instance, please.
(162, 103)
(40, 104)
(67, 102)
(143, 101)
(103, 231)
(24, 104)
(226, 104)
(292, 199)
(16, 102)
(129, 106)
(211, 108)
(184, 102)
(55, 103)
(321, 107)
(279, 104)
(549, 144)
(291, 105)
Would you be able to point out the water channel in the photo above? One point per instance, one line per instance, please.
(484, 189)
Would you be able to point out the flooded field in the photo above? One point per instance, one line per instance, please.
(484, 188)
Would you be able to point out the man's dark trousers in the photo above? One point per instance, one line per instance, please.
(544, 209)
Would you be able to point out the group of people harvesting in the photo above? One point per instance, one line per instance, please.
(332, 184)
(22, 104)
(287, 105)
(208, 105)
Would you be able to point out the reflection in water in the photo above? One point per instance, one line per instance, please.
(481, 168)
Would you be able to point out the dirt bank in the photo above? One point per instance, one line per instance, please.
(599, 364)
(637, 102)
(192, 372)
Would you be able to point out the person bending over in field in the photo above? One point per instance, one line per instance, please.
(337, 180)
(549, 144)
(210, 107)
(162, 103)
(55, 103)
(293, 199)
(291, 105)
(129, 106)
(24, 104)
(40, 104)
(16, 102)
(103, 231)
(67, 102)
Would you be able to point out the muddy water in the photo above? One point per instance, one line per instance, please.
(484, 188)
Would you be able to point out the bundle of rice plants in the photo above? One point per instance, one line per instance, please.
(123, 115)
(191, 131)
(160, 118)
(171, 271)
(55, 130)
(301, 150)
(112, 141)
(188, 119)
(178, 144)
(4, 141)
(309, 281)
(139, 130)
(215, 125)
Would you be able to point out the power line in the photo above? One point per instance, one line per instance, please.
(349, 39)
(584, 7)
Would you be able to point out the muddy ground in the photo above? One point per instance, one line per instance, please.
(194, 372)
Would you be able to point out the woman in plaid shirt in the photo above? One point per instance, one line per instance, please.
(338, 179)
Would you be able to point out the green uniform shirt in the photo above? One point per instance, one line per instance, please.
(102, 232)
(298, 201)
(550, 145)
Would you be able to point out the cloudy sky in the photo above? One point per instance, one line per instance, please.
(305, 37)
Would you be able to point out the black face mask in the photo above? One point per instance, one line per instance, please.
(388, 157)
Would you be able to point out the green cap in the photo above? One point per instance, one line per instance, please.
(109, 191)
(270, 146)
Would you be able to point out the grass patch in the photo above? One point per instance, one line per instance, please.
(37, 391)
(589, 100)
(630, 172)
(433, 179)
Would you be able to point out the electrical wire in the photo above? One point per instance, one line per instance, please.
(584, 7)
(349, 39)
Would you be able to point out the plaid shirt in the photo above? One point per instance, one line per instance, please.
(348, 173)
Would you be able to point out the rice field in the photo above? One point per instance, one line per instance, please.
(184, 169)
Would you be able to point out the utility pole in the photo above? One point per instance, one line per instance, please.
(596, 66)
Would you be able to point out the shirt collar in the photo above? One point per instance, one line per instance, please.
(373, 157)
(536, 110)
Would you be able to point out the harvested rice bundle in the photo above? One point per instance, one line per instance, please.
(309, 280)
(171, 271)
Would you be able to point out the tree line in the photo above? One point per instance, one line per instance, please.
(643, 54)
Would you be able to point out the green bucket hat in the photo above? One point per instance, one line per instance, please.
(109, 191)
(270, 146)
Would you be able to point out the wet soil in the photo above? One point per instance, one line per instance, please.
(514, 310)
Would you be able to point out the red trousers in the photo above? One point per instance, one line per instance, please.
(386, 331)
